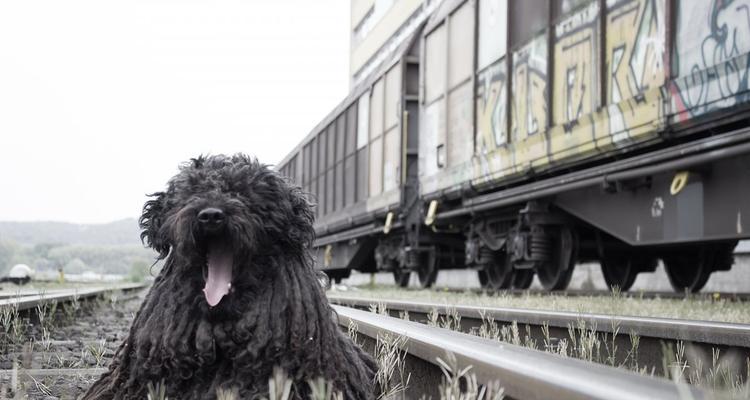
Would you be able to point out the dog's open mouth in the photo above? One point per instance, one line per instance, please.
(218, 273)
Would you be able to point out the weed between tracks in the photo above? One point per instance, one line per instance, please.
(680, 363)
(695, 308)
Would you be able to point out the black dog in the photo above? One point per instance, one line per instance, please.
(237, 296)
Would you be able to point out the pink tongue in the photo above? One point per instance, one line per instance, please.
(219, 279)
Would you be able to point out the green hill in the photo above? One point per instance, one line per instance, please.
(111, 248)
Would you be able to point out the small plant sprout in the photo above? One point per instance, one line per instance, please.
(673, 362)
(432, 317)
(632, 355)
(379, 308)
(41, 311)
(321, 389)
(279, 385)
(528, 340)
(46, 339)
(81, 361)
(60, 357)
(113, 298)
(489, 328)
(451, 320)
(391, 377)
(586, 344)
(157, 391)
(8, 320)
(71, 308)
(562, 347)
(459, 384)
(227, 394)
(18, 330)
(510, 334)
(547, 337)
(97, 351)
(40, 386)
(352, 330)
(611, 346)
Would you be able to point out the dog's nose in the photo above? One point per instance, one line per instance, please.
(211, 218)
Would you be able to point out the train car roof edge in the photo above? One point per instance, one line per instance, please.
(356, 92)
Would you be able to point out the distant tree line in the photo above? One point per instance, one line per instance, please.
(131, 260)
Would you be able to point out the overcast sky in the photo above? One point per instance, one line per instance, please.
(101, 100)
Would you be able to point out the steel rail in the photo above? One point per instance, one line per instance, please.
(4, 294)
(522, 372)
(30, 301)
(46, 372)
(714, 333)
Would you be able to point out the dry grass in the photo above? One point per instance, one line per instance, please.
(703, 308)
(391, 378)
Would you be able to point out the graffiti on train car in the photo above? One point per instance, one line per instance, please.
(635, 60)
(711, 56)
(491, 124)
(575, 83)
(529, 107)
(635, 51)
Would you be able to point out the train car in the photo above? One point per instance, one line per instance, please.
(360, 167)
(520, 137)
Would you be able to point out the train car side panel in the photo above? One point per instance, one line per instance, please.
(710, 58)
(448, 125)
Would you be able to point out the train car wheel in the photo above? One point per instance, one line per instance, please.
(401, 277)
(499, 270)
(689, 269)
(620, 269)
(522, 278)
(556, 273)
(428, 269)
(483, 281)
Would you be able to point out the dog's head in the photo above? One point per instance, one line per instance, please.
(219, 213)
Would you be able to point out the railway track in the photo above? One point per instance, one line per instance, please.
(28, 300)
(54, 344)
(728, 296)
(656, 339)
(522, 373)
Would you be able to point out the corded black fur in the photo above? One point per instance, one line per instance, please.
(276, 314)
